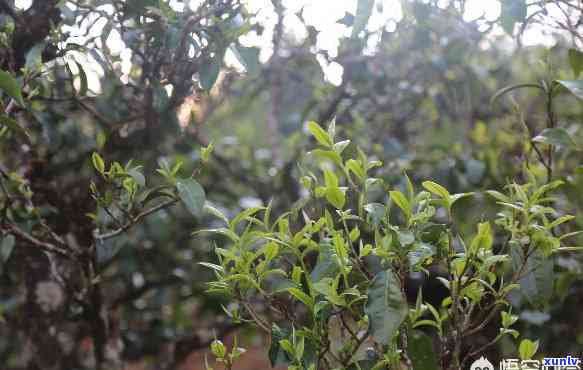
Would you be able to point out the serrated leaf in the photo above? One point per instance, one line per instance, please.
(11, 87)
(386, 306)
(319, 134)
(436, 189)
(555, 136)
(192, 195)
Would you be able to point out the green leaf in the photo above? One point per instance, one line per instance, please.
(402, 202)
(339, 146)
(319, 134)
(513, 11)
(13, 126)
(527, 349)
(6, 248)
(160, 98)
(302, 297)
(332, 132)
(376, 212)
(421, 352)
(498, 196)
(507, 319)
(210, 208)
(277, 355)
(574, 86)
(576, 61)
(555, 136)
(219, 231)
(205, 152)
(536, 282)
(328, 288)
(209, 71)
(483, 239)
(436, 189)
(355, 167)
(334, 194)
(326, 265)
(386, 306)
(192, 194)
(34, 57)
(455, 197)
(11, 87)
(327, 155)
(248, 57)
(363, 13)
(98, 162)
(137, 176)
(336, 197)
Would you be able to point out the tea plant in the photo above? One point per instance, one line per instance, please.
(327, 279)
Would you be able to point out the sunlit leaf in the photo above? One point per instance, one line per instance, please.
(319, 134)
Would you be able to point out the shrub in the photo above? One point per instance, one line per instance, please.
(327, 280)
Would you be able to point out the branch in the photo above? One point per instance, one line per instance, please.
(135, 220)
(48, 247)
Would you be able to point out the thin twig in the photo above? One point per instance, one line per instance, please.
(135, 220)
